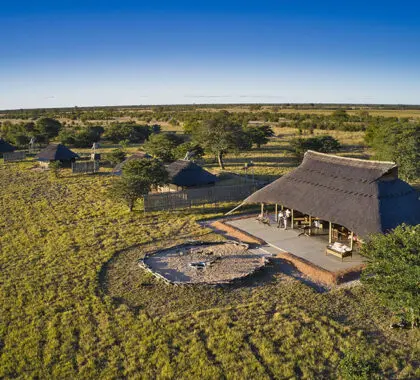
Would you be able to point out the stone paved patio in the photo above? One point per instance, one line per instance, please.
(311, 248)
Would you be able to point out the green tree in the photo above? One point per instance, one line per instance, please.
(399, 142)
(393, 270)
(259, 134)
(189, 146)
(128, 190)
(163, 146)
(152, 171)
(323, 144)
(47, 126)
(138, 177)
(221, 135)
(134, 133)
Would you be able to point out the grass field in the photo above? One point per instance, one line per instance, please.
(74, 304)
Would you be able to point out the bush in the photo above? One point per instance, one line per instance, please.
(356, 365)
(393, 270)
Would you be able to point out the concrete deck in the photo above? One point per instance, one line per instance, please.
(311, 248)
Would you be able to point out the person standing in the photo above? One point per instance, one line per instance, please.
(287, 214)
(280, 218)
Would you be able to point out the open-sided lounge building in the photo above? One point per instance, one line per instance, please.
(352, 196)
(56, 152)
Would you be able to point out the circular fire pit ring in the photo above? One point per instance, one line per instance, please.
(207, 263)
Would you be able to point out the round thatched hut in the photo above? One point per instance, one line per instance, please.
(5, 147)
(56, 152)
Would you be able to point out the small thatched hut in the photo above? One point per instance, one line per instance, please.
(136, 156)
(186, 174)
(5, 147)
(363, 196)
(56, 152)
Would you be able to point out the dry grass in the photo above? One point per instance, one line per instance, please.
(75, 304)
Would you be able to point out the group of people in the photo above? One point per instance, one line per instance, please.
(283, 218)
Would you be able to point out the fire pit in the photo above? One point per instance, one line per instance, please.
(204, 262)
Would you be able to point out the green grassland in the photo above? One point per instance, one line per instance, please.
(74, 303)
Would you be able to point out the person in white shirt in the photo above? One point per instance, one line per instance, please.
(287, 214)
(280, 219)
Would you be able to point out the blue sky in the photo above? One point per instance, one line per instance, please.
(83, 53)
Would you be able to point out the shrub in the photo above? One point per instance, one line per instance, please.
(393, 270)
(356, 365)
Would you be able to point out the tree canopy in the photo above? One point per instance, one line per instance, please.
(47, 126)
(393, 269)
(260, 134)
(323, 144)
(137, 179)
(399, 142)
(131, 132)
(220, 135)
(163, 146)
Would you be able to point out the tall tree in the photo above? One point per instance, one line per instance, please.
(259, 134)
(47, 126)
(221, 135)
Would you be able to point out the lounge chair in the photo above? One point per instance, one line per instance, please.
(339, 250)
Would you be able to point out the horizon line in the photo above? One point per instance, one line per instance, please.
(312, 104)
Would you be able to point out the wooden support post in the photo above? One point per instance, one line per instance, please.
(282, 207)
(276, 217)
(351, 240)
(330, 233)
(262, 208)
(310, 221)
(293, 221)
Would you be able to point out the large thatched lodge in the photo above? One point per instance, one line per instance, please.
(333, 204)
(364, 196)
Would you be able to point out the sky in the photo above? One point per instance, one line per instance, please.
(96, 53)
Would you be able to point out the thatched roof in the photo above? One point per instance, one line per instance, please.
(5, 147)
(136, 156)
(56, 152)
(364, 196)
(186, 173)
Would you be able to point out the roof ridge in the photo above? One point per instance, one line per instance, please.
(349, 158)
